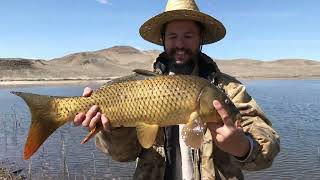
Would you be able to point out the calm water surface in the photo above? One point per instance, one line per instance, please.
(292, 106)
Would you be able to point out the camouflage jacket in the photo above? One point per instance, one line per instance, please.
(209, 162)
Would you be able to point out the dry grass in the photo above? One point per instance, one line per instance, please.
(5, 174)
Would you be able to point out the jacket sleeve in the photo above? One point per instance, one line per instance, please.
(121, 144)
(265, 144)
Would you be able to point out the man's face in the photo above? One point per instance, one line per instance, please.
(182, 41)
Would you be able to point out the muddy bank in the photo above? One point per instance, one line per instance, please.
(17, 83)
(5, 174)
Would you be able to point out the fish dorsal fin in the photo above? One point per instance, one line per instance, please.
(145, 72)
(146, 134)
(193, 132)
(138, 74)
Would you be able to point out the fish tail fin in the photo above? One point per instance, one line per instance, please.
(44, 120)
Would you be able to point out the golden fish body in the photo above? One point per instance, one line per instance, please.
(163, 100)
(144, 104)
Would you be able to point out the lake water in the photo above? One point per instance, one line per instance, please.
(292, 106)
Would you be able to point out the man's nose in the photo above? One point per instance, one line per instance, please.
(180, 43)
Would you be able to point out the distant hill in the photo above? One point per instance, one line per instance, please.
(278, 69)
(121, 60)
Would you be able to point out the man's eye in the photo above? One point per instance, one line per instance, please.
(172, 37)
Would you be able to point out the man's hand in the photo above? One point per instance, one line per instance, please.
(92, 117)
(229, 136)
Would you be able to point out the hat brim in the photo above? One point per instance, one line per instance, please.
(213, 29)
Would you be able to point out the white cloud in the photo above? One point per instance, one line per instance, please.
(106, 2)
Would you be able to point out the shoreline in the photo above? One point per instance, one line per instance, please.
(45, 82)
(16, 83)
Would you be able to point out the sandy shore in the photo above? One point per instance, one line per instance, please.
(45, 83)
(53, 82)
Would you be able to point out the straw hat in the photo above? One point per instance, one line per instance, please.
(182, 10)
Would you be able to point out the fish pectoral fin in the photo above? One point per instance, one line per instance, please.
(146, 134)
(193, 132)
(92, 133)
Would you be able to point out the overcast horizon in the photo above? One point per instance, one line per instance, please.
(261, 30)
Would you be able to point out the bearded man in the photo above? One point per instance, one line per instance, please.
(228, 148)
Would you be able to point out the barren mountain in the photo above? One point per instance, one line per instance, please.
(121, 60)
(278, 69)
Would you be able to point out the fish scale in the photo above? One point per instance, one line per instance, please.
(145, 98)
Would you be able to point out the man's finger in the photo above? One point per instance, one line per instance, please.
(79, 118)
(214, 126)
(95, 120)
(105, 123)
(87, 92)
(219, 129)
(90, 114)
(216, 137)
(238, 124)
(217, 133)
(223, 113)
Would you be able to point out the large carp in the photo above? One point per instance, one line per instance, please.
(144, 102)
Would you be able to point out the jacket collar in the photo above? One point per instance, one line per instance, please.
(207, 67)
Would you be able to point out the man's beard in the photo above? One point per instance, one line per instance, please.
(185, 68)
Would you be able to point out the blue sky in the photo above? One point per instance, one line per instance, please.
(256, 29)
